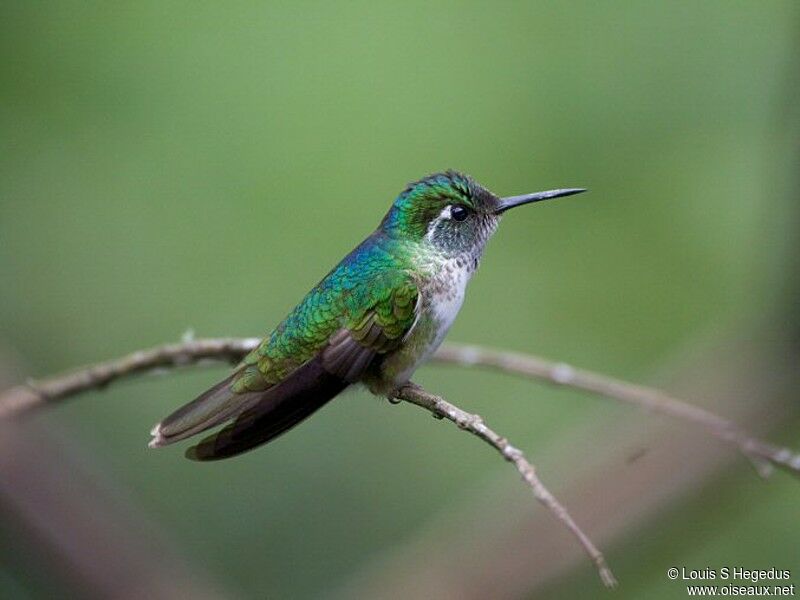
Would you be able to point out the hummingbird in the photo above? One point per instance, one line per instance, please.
(374, 319)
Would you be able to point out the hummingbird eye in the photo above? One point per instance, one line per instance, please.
(459, 213)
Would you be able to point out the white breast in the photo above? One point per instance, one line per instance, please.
(442, 298)
(447, 299)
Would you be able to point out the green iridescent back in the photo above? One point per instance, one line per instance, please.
(370, 283)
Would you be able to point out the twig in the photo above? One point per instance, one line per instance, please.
(474, 424)
(21, 399)
(533, 367)
(34, 394)
(24, 398)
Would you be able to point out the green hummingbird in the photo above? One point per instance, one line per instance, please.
(379, 314)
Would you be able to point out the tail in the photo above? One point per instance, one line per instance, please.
(214, 406)
(258, 416)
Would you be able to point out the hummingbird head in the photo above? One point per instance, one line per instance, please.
(453, 213)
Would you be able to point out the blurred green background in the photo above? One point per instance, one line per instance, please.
(177, 165)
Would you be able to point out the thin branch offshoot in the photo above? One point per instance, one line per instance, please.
(474, 424)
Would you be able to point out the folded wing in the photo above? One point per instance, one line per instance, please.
(290, 376)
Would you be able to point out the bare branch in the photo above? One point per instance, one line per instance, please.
(21, 399)
(761, 453)
(34, 394)
(24, 398)
(474, 424)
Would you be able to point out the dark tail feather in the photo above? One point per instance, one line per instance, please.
(276, 410)
(214, 406)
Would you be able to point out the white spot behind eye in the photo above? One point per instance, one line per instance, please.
(446, 214)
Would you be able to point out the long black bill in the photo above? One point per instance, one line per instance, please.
(512, 201)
